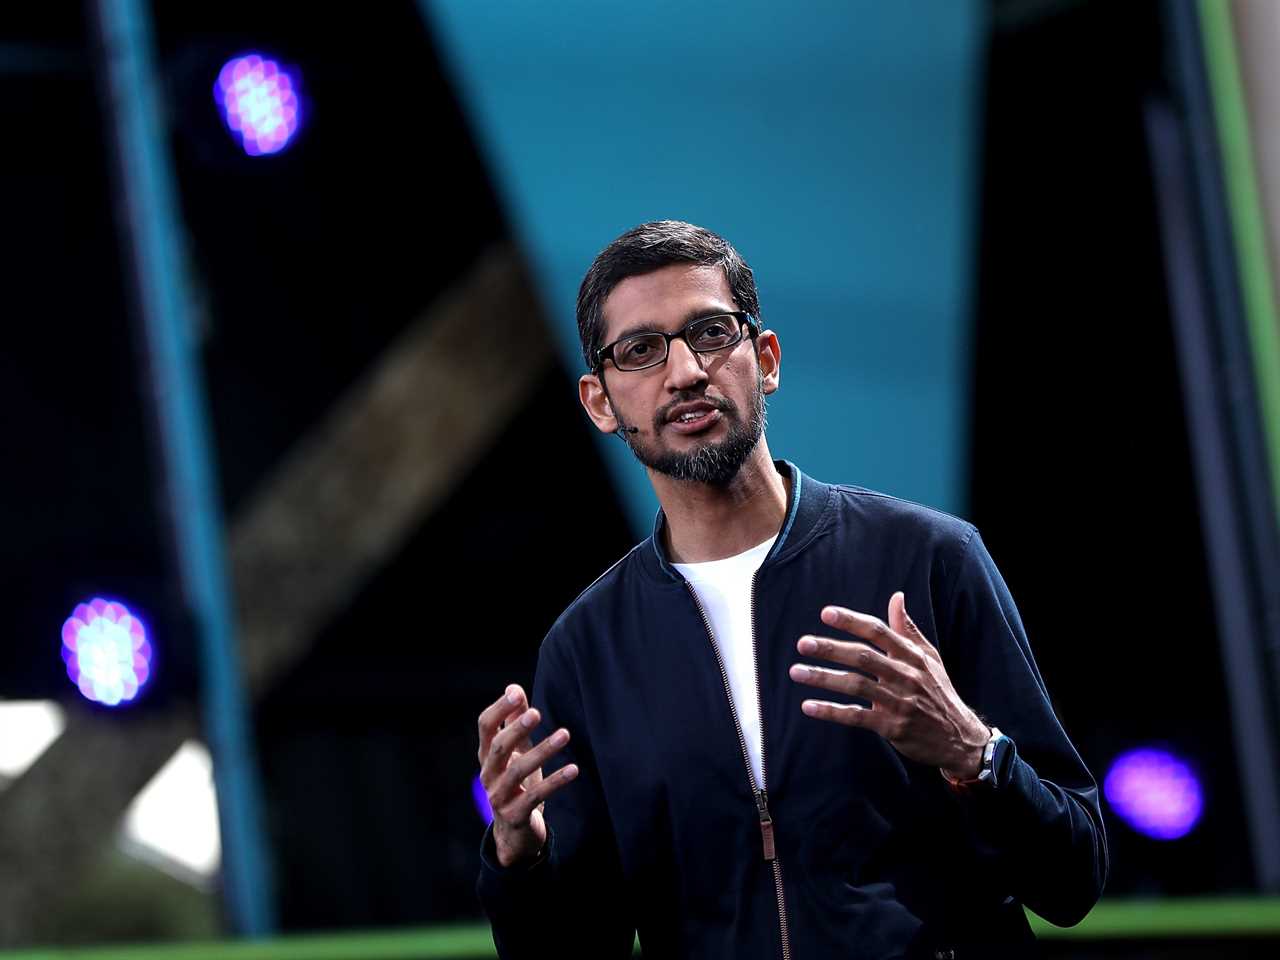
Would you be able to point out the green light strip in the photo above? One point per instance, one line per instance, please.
(1217, 918)
(1247, 226)
(471, 940)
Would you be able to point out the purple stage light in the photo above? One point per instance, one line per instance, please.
(481, 798)
(259, 102)
(106, 651)
(1155, 792)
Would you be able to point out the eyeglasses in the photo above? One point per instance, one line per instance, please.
(704, 335)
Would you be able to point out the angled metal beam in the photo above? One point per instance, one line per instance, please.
(352, 492)
(333, 511)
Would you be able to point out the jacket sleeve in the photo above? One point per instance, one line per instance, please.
(1043, 823)
(571, 902)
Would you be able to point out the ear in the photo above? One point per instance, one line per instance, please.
(595, 401)
(769, 355)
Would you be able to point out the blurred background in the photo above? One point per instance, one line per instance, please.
(295, 476)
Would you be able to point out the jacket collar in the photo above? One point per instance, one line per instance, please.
(806, 505)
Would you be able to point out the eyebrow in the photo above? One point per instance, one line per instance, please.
(692, 315)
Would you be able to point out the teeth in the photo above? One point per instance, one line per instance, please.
(686, 417)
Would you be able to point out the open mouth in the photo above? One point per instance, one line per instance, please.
(693, 418)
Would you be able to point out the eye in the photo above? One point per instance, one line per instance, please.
(637, 351)
(713, 332)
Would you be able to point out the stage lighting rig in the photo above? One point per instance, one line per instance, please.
(106, 650)
(259, 102)
(1155, 792)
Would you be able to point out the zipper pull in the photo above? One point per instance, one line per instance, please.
(766, 824)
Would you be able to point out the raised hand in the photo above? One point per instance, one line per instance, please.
(913, 704)
(511, 773)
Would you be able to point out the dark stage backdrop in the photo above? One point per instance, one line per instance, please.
(1082, 477)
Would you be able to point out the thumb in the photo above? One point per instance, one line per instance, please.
(900, 621)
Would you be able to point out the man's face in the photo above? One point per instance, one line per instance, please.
(698, 415)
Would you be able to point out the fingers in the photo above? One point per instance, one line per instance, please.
(492, 717)
(514, 736)
(524, 774)
(521, 808)
(912, 646)
(869, 628)
(511, 767)
(847, 714)
(532, 761)
(860, 656)
(854, 684)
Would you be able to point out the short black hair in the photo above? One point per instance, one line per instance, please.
(650, 247)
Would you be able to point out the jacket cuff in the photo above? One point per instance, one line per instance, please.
(504, 881)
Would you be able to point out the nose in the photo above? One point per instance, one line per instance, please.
(684, 368)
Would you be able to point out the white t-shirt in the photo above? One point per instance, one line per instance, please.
(724, 590)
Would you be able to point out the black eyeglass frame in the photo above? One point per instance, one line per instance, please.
(746, 322)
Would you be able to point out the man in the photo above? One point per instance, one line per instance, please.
(734, 756)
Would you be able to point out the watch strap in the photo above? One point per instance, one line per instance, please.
(986, 774)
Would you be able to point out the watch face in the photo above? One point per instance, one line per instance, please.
(999, 756)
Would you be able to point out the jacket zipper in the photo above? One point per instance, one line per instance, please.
(761, 797)
(766, 820)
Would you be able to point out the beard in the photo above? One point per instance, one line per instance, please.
(714, 464)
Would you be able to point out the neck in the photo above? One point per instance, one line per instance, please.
(711, 523)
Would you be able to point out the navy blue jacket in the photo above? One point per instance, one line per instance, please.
(874, 855)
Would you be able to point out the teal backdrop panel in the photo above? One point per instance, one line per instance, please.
(833, 143)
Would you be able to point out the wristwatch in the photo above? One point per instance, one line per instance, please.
(993, 752)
